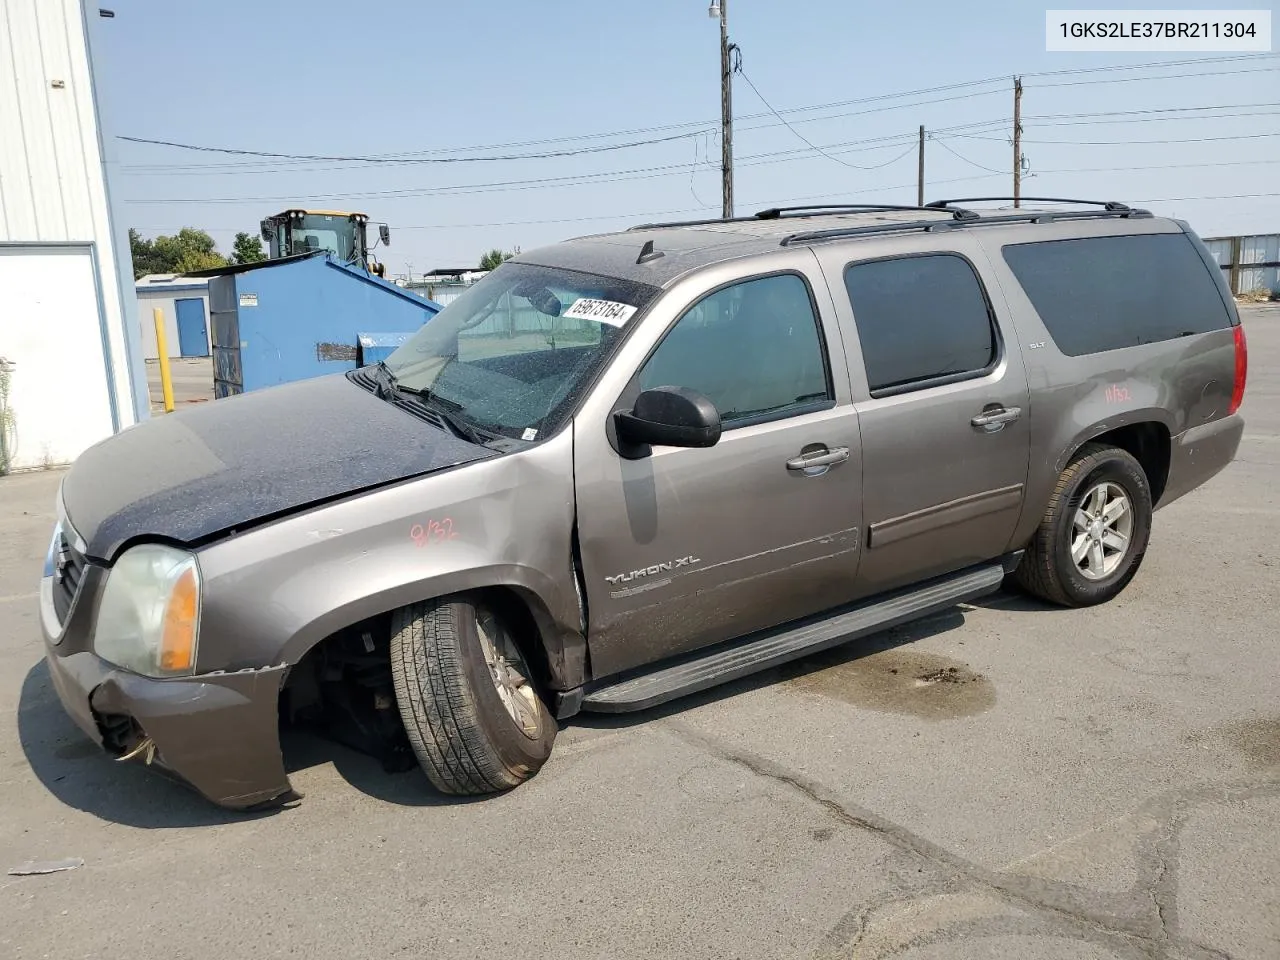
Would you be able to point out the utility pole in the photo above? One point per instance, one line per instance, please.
(1017, 141)
(720, 8)
(920, 176)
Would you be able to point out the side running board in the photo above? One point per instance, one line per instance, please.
(739, 658)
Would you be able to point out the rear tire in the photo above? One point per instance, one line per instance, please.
(476, 723)
(1095, 530)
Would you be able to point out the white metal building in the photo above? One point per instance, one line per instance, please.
(184, 303)
(68, 328)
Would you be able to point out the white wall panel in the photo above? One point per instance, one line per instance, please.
(53, 339)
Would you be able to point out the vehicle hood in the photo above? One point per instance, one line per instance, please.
(228, 463)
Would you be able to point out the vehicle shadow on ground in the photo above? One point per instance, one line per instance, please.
(1013, 599)
(304, 748)
(83, 776)
(845, 653)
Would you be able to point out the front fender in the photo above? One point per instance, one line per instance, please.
(275, 591)
(565, 645)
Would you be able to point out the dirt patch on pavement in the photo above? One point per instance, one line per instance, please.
(1259, 740)
(899, 681)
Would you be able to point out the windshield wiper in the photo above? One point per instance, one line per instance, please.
(446, 410)
(385, 381)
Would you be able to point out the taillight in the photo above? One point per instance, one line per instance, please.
(1242, 368)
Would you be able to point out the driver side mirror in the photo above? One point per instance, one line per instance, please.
(384, 234)
(266, 230)
(668, 416)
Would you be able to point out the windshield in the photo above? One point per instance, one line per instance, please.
(321, 232)
(513, 353)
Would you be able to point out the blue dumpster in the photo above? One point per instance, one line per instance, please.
(299, 317)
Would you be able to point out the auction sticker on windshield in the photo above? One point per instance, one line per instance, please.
(606, 311)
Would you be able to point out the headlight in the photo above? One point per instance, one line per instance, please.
(149, 618)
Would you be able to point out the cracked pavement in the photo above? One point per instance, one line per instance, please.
(1003, 780)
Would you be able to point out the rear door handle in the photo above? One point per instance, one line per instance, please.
(823, 458)
(993, 420)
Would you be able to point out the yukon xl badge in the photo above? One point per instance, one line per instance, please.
(653, 570)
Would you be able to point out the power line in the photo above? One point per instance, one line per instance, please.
(1230, 196)
(432, 156)
(1131, 116)
(395, 160)
(801, 137)
(641, 173)
(635, 215)
(943, 144)
(754, 203)
(387, 158)
(1172, 76)
(1126, 168)
(645, 173)
(758, 203)
(1219, 116)
(1116, 143)
(1123, 113)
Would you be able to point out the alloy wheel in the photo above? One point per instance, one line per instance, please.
(1101, 530)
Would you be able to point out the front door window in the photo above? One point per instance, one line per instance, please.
(752, 348)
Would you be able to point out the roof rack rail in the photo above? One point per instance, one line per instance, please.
(690, 223)
(1113, 205)
(812, 210)
(840, 233)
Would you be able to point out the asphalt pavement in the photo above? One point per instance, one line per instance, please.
(1100, 783)
(191, 379)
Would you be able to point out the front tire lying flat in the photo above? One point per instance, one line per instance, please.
(465, 694)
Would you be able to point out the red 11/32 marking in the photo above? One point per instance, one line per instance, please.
(433, 531)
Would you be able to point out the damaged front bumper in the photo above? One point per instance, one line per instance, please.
(217, 732)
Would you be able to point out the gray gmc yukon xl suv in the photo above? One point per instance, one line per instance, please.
(627, 467)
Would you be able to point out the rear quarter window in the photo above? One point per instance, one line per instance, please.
(1103, 293)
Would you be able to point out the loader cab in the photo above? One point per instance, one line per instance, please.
(343, 234)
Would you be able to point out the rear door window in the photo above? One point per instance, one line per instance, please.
(921, 320)
(1103, 293)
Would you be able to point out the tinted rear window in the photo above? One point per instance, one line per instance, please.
(919, 319)
(1103, 293)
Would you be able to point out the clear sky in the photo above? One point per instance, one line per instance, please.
(430, 79)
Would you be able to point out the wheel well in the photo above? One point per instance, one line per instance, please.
(342, 686)
(1149, 444)
(526, 633)
(366, 642)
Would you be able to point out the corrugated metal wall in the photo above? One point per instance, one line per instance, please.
(1221, 250)
(1257, 263)
(52, 182)
(1259, 249)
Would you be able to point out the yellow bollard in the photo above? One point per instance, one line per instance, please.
(162, 351)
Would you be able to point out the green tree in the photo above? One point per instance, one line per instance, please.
(247, 249)
(494, 258)
(145, 258)
(190, 249)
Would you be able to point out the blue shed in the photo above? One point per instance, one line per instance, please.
(298, 317)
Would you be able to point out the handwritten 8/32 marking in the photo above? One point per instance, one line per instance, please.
(433, 531)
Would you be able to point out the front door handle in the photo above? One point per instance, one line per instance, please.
(993, 420)
(818, 458)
